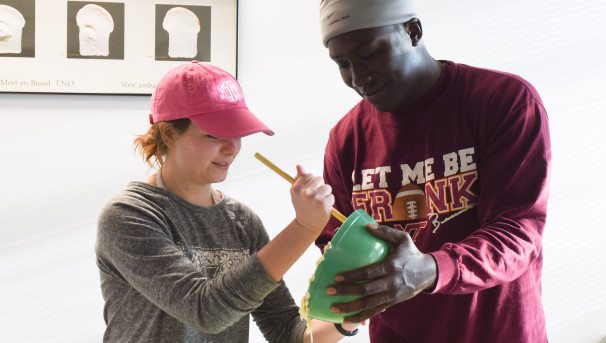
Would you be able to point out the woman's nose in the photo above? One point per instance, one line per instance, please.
(231, 145)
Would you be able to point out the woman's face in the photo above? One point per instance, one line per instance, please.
(199, 158)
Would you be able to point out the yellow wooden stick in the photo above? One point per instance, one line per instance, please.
(290, 179)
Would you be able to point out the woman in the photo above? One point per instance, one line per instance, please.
(182, 262)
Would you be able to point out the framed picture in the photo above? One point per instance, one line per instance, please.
(110, 46)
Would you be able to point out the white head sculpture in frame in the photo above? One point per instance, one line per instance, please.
(11, 30)
(96, 24)
(183, 27)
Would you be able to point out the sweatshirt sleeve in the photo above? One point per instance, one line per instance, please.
(514, 173)
(278, 318)
(133, 246)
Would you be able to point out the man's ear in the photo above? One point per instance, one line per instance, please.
(414, 30)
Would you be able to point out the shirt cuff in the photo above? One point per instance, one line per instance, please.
(447, 272)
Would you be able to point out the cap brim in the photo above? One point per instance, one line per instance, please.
(230, 123)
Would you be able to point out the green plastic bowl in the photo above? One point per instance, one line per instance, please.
(352, 247)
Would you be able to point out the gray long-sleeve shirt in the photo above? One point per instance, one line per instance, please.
(172, 271)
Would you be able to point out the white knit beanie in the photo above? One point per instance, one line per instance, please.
(340, 16)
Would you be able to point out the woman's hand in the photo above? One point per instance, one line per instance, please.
(312, 200)
(325, 332)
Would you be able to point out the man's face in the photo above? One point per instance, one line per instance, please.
(380, 64)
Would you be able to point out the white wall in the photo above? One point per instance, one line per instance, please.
(65, 155)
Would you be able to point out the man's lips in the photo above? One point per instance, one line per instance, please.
(373, 94)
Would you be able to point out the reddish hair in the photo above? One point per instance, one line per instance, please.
(151, 145)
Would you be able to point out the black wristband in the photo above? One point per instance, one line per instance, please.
(345, 332)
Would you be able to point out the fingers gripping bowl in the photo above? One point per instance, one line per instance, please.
(352, 247)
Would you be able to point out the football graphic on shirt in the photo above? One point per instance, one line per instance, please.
(410, 203)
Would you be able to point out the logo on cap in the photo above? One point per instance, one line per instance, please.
(229, 91)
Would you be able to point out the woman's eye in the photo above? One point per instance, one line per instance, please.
(211, 137)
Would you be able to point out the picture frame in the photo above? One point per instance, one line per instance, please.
(110, 46)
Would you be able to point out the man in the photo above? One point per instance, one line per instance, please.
(453, 161)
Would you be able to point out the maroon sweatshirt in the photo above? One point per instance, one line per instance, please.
(465, 170)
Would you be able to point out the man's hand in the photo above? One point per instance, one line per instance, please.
(401, 275)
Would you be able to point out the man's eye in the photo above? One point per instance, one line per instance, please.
(342, 65)
(211, 136)
(368, 54)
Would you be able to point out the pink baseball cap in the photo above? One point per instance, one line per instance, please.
(209, 96)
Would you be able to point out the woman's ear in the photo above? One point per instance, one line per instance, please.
(168, 133)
